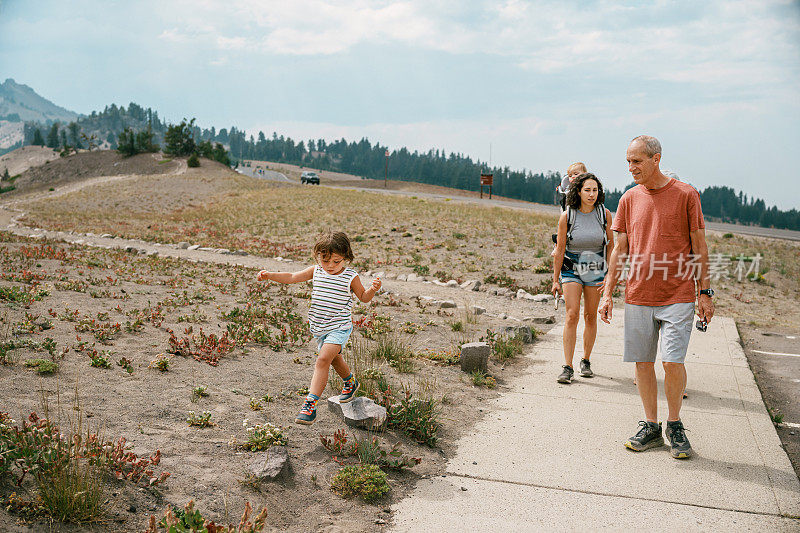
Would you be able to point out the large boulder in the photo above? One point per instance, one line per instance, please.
(359, 413)
(270, 464)
(475, 356)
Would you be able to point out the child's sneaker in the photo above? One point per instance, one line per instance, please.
(308, 413)
(349, 391)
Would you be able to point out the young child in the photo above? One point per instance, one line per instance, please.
(573, 171)
(329, 314)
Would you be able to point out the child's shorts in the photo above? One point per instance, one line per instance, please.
(337, 336)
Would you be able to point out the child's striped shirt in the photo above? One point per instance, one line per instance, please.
(331, 303)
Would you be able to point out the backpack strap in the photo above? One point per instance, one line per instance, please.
(570, 222)
(600, 212)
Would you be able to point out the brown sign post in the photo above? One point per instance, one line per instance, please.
(486, 181)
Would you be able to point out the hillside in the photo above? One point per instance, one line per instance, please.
(89, 165)
(26, 157)
(19, 103)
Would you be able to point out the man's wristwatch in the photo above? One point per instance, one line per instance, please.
(708, 292)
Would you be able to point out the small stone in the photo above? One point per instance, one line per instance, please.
(223, 251)
(522, 333)
(542, 297)
(439, 283)
(464, 489)
(452, 283)
(106, 236)
(131, 508)
(183, 245)
(447, 304)
(194, 247)
(477, 310)
(206, 249)
(551, 319)
(240, 252)
(475, 356)
(380, 521)
(402, 277)
(502, 291)
(269, 464)
(359, 413)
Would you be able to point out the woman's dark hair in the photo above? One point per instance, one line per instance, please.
(574, 196)
(333, 242)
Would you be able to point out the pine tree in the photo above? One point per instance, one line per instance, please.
(52, 136)
(38, 140)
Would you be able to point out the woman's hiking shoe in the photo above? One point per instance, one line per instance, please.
(307, 415)
(566, 375)
(648, 436)
(676, 435)
(586, 368)
(349, 391)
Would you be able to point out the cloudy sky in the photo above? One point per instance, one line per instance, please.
(545, 83)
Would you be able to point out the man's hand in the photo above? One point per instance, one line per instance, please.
(263, 276)
(705, 307)
(604, 310)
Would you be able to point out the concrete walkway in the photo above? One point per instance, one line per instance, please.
(550, 457)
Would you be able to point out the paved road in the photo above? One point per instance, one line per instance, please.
(266, 174)
(549, 457)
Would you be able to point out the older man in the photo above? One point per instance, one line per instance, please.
(660, 230)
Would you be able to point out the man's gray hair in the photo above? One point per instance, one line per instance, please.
(651, 144)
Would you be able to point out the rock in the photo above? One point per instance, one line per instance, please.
(452, 283)
(130, 248)
(540, 319)
(475, 356)
(447, 304)
(477, 310)
(502, 291)
(542, 297)
(206, 249)
(402, 277)
(414, 277)
(359, 413)
(468, 284)
(240, 252)
(194, 247)
(279, 258)
(439, 283)
(223, 251)
(270, 464)
(522, 294)
(106, 236)
(522, 333)
(391, 275)
(183, 245)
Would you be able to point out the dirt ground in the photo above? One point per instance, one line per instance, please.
(215, 207)
(21, 159)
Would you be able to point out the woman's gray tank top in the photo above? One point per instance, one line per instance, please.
(587, 233)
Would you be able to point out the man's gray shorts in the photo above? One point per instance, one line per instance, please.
(643, 323)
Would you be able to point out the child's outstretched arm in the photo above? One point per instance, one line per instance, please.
(287, 277)
(363, 294)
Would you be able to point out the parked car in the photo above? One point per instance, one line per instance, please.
(309, 177)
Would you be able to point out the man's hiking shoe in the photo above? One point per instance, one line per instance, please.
(649, 436)
(586, 368)
(307, 415)
(349, 391)
(679, 444)
(566, 375)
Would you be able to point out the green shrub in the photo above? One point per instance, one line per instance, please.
(42, 366)
(189, 520)
(418, 418)
(482, 379)
(367, 481)
(193, 161)
(506, 348)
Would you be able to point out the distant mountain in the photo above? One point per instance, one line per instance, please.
(21, 103)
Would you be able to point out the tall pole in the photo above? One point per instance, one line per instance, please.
(386, 175)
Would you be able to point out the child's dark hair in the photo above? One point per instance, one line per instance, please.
(573, 194)
(333, 242)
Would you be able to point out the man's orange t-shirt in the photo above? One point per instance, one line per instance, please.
(658, 224)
